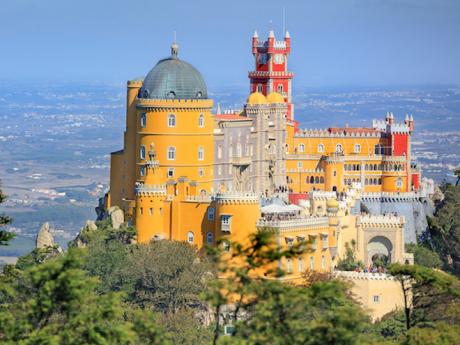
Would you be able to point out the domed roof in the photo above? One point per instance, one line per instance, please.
(275, 97)
(256, 98)
(173, 78)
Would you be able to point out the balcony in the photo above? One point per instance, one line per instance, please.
(243, 160)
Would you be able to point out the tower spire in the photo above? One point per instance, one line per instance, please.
(174, 48)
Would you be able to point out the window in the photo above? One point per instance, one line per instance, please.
(376, 298)
(200, 153)
(141, 210)
(323, 262)
(259, 88)
(335, 173)
(209, 238)
(357, 148)
(280, 88)
(170, 172)
(143, 120)
(226, 223)
(190, 237)
(201, 172)
(338, 148)
(219, 170)
(325, 242)
(299, 165)
(301, 148)
(142, 170)
(211, 213)
(289, 265)
(399, 183)
(201, 120)
(171, 153)
(300, 265)
(171, 120)
(320, 148)
(151, 211)
(226, 246)
(219, 152)
(312, 263)
(142, 152)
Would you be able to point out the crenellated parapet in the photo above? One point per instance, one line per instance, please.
(329, 133)
(150, 190)
(380, 221)
(390, 197)
(198, 198)
(236, 198)
(185, 104)
(322, 195)
(296, 223)
(351, 275)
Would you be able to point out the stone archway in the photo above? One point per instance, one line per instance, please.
(379, 247)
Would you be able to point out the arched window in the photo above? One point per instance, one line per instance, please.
(171, 120)
(219, 152)
(238, 150)
(200, 153)
(357, 148)
(301, 148)
(143, 120)
(289, 265)
(142, 152)
(374, 181)
(312, 263)
(366, 182)
(171, 153)
(320, 148)
(201, 120)
(338, 148)
(380, 181)
(307, 180)
(316, 179)
(300, 264)
(259, 88)
(280, 88)
(209, 238)
(323, 262)
(321, 179)
(211, 213)
(190, 237)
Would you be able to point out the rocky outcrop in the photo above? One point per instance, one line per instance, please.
(44, 237)
(117, 216)
(80, 241)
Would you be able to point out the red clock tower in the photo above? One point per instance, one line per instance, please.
(271, 72)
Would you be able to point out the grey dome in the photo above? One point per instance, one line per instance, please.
(173, 78)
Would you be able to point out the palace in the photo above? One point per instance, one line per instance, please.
(188, 174)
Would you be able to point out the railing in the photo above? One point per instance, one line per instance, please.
(379, 220)
(293, 223)
(363, 275)
(198, 198)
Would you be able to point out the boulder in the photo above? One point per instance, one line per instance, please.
(117, 216)
(91, 225)
(44, 237)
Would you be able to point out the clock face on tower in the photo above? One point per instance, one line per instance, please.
(279, 59)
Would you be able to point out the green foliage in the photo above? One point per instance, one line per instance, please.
(391, 326)
(444, 229)
(56, 303)
(424, 256)
(438, 334)
(36, 256)
(185, 328)
(349, 262)
(428, 293)
(5, 236)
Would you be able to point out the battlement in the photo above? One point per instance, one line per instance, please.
(145, 190)
(143, 103)
(236, 198)
(288, 224)
(198, 198)
(351, 275)
(334, 133)
(387, 221)
(322, 195)
(390, 197)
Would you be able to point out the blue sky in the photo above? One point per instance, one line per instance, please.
(335, 42)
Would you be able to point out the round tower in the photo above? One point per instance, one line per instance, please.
(174, 113)
(333, 173)
(150, 196)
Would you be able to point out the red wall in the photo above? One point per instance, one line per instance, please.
(294, 198)
(400, 144)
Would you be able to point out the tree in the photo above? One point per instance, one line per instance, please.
(269, 311)
(444, 229)
(349, 262)
(457, 174)
(5, 236)
(428, 294)
(56, 303)
(424, 256)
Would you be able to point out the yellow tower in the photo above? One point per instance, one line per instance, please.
(333, 173)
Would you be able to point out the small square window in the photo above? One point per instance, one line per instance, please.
(201, 172)
(170, 172)
(376, 298)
